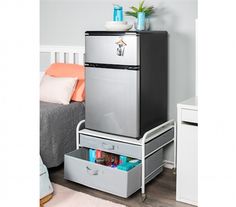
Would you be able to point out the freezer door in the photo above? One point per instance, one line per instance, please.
(116, 50)
(112, 101)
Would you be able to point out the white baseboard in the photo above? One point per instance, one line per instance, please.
(194, 203)
(168, 164)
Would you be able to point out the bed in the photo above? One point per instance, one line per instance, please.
(58, 122)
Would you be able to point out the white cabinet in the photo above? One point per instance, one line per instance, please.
(187, 167)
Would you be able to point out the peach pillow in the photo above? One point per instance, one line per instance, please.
(73, 71)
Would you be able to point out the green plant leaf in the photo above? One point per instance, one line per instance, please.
(141, 6)
(147, 10)
(133, 14)
(134, 8)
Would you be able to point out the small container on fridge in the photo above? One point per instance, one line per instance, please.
(141, 21)
(118, 13)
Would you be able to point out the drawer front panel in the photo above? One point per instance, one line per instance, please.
(189, 115)
(154, 162)
(104, 178)
(120, 148)
(157, 142)
(187, 164)
(149, 178)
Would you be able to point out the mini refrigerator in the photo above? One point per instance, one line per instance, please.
(126, 81)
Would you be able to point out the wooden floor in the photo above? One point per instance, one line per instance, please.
(160, 191)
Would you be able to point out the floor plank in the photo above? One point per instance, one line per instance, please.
(160, 191)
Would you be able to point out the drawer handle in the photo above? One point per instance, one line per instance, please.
(108, 146)
(189, 123)
(91, 171)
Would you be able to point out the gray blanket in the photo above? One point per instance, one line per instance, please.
(58, 130)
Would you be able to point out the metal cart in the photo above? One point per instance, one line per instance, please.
(151, 135)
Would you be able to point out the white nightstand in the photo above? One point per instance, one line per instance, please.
(187, 167)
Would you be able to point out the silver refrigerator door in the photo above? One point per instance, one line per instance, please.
(112, 101)
(116, 50)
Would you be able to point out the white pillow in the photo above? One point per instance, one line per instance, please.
(57, 89)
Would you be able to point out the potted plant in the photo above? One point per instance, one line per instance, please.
(142, 14)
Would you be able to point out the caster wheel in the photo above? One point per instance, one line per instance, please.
(174, 171)
(144, 197)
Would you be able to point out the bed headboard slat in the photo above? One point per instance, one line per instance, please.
(52, 57)
(61, 58)
(81, 59)
(64, 54)
(71, 58)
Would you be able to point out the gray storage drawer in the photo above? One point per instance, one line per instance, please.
(159, 141)
(77, 168)
(152, 163)
(120, 148)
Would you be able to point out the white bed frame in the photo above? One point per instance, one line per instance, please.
(64, 54)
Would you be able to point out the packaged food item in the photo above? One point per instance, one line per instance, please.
(125, 166)
(98, 154)
(113, 166)
(112, 160)
(123, 159)
(116, 160)
(134, 162)
(92, 155)
(100, 161)
(107, 158)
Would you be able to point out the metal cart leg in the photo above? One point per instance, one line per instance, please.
(144, 196)
(145, 136)
(143, 170)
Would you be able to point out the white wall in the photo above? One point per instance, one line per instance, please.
(63, 22)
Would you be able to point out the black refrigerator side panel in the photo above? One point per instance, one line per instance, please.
(153, 79)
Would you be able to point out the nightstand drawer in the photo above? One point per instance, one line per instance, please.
(189, 115)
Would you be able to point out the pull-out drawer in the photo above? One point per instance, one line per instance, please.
(153, 165)
(121, 148)
(189, 115)
(77, 168)
(159, 141)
